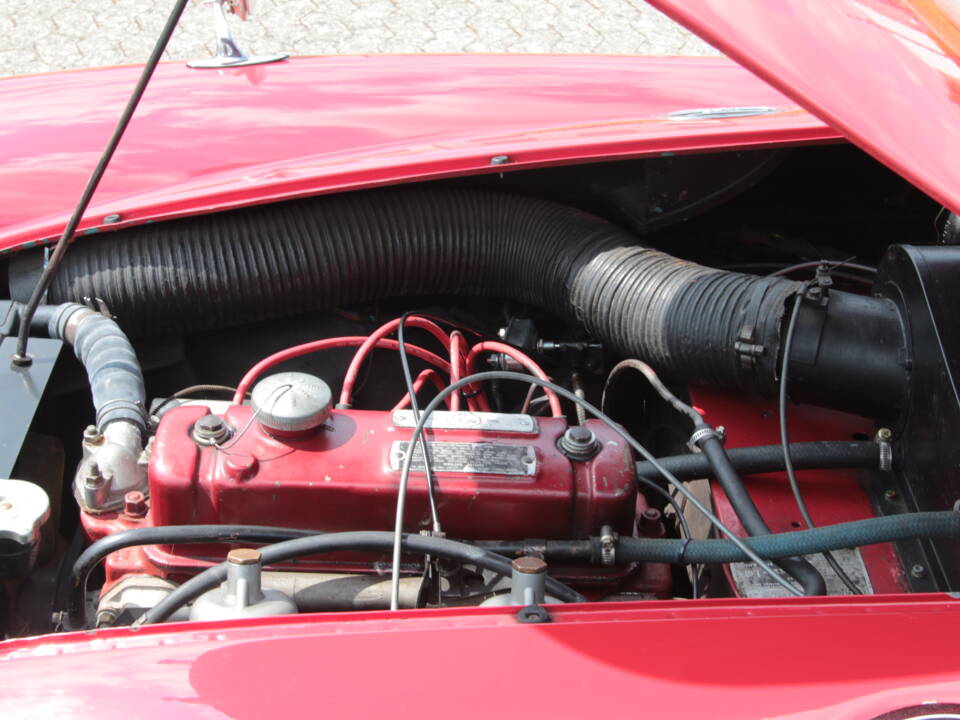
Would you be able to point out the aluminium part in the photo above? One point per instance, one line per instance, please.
(528, 577)
(24, 508)
(113, 465)
(129, 598)
(291, 402)
(242, 595)
(468, 420)
(228, 53)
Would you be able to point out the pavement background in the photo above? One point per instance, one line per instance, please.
(58, 34)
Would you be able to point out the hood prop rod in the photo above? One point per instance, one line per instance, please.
(21, 358)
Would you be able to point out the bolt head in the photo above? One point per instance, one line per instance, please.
(210, 429)
(91, 434)
(209, 423)
(500, 160)
(918, 571)
(112, 218)
(579, 443)
(580, 434)
(135, 504)
(244, 556)
(884, 434)
(890, 495)
(529, 565)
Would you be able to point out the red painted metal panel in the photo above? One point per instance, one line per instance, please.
(842, 658)
(202, 140)
(832, 496)
(883, 72)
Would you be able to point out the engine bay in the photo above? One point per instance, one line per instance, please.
(578, 383)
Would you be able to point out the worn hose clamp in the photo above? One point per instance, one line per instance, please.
(886, 456)
(608, 546)
(886, 449)
(706, 432)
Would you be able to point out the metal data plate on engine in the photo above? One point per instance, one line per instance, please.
(466, 420)
(470, 458)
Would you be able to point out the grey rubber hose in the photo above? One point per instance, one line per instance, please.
(909, 526)
(116, 380)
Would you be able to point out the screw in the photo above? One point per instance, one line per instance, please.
(21, 360)
(890, 495)
(884, 434)
(135, 504)
(918, 571)
(112, 218)
(92, 435)
(94, 477)
(500, 160)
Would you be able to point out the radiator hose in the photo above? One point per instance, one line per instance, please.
(116, 380)
(110, 466)
(701, 325)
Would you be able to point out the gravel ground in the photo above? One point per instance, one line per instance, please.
(58, 34)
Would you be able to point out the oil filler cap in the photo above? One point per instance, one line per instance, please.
(291, 402)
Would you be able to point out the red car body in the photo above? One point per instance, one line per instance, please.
(204, 141)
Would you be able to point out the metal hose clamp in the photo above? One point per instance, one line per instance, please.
(608, 545)
(706, 432)
(886, 449)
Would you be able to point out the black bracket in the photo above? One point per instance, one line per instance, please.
(533, 614)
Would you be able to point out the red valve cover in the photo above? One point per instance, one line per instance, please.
(493, 483)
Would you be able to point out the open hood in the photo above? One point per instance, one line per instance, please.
(883, 72)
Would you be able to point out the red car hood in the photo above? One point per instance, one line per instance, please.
(712, 659)
(206, 140)
(883, 72)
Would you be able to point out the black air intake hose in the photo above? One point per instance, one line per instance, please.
(705, 326)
